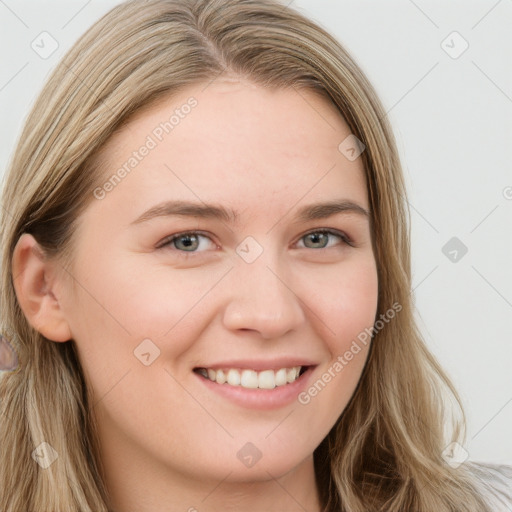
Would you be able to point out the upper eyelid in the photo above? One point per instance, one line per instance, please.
(331, 231)
(170, 238)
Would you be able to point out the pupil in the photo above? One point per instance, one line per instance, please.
(317, 237)
(187, 240)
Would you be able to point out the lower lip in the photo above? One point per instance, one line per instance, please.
(264, 399)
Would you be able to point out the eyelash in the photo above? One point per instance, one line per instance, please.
(166, 242)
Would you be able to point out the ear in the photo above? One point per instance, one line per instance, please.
(34, 280)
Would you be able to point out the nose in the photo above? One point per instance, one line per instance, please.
(263, 299)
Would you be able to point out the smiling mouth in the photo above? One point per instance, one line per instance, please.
(251, 379)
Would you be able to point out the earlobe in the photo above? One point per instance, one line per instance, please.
(34, 279)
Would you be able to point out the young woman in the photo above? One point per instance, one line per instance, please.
(206, 282)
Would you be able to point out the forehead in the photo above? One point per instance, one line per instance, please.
(236, 108)
(235, 142)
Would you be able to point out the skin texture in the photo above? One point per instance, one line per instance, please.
(168, 442)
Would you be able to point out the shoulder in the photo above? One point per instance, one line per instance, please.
(494, 482)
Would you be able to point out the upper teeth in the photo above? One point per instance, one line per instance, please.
(266, 379)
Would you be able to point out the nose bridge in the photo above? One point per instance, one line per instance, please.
(261, 299)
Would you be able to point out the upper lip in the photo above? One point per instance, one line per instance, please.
(259, 364)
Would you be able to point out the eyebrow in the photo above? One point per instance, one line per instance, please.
(219, 212)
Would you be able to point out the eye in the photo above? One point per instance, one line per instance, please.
(319, 239)
(189, 241)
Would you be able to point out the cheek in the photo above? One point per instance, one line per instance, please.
(345, 301)
(130, 303)
(138, 300)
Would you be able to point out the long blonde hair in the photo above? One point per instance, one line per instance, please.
(385, 451)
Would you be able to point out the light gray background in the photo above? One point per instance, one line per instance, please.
(453, 122)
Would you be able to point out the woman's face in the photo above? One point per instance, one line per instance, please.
(243, 293)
